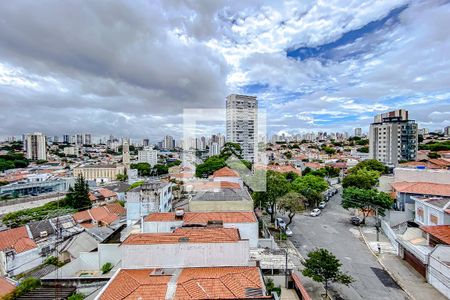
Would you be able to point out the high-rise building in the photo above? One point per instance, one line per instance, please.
(214, 149)
(87, 139)
(145, 142)
(148, 155)
(66, 139)
(242, 123)
(56, 139)
(358, 132)
(126, 152)
(168, 142)
(79, 139)
(447, 131)
(36, 146)
(393, 137)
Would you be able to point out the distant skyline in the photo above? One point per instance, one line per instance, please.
(129, 68)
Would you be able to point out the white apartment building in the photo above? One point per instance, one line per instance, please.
(358, 132)
(214, 149)
(168, 142)
(148, 155)
(242, 123)
(393, 138)
(36, 146)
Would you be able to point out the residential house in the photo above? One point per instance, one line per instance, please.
(152, 196)
(404, 191)
(228, 175)
(18, 252)
(102, 196)
(185, 247)
(245, 222)
(107, 215)
(224, 199)
(432, 211)
(186, 283)
(6, 286)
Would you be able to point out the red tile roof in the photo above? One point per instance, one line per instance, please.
(185, 235)
(422, 188)
(213, 185)
(132, 284)
(441, 232)
(204, 217)
(106, 214)
(192, 283)
(106, 193)
(225, 172)
(284, 169)
(17, 239)
(6, 286)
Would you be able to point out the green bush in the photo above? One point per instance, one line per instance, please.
(107, 267)
(25, 286)
(77, 296)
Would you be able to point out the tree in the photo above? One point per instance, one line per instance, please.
(291, 176)
(433, 155)
(329, 150)
(276, 186)
(144, 169)
(322, 266)
(366, 200)
(288, 155)
(78, 196)
(121, 177)
(291, 203)
(230, 149)
(370, 165)
(311, 187)
(160, 169)
(362, 178)
(213, 163)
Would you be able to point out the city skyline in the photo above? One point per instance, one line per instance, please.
(313, 67)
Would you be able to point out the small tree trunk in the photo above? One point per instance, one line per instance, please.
(272, 214)
(326, 289)
(290, 216)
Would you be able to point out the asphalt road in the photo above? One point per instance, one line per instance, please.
(333, 231)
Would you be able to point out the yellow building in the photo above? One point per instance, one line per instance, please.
(102, 173)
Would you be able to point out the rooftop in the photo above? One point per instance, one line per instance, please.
(225, 194)
(225, 172)
(422, 188)
(203, 217)
(189, 283)
(16, 239)
(185, 235)
(441, 232)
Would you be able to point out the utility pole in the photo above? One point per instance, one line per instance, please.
(377, 224)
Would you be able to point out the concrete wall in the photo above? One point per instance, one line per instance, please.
(182, 255)
(214, 206)
(390, 235)
(438, 273)
(23, 262)
(109, 253)
(417, 175)
(161, 226)
(442, 217)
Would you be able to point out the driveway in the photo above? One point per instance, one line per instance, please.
(333, 231)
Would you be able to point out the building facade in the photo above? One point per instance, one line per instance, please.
(393, 138)
(99, 173)
(148, 155)
(241, 123)
(36, 146)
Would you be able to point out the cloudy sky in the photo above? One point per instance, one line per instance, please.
(130, 68)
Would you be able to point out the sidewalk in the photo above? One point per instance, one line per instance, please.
(402, 273)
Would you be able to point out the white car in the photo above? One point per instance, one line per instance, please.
(315, 212)
(322, 204)
(288, 231)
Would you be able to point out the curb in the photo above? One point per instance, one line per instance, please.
(394, 277)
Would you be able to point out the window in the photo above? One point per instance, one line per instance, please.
(434, 219)
(419, 213)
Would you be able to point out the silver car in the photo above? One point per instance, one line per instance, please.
(315, 212)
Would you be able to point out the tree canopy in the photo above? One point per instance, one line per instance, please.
(78, 196)
(291, 204)
(370, 165)
(362, 178)
(322, 266)
(366, 199)
(311, 187)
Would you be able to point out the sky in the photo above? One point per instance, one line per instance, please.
(130, 68)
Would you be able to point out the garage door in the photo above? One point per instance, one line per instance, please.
(415, 263)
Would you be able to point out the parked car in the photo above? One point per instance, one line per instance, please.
(279, 223)
(322, 205)
(315, 212)
(288, 231)
(355, 220)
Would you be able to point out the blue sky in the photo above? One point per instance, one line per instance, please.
(130, 68)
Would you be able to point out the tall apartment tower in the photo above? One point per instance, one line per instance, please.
(393, 137)
(148, 155)
(358, 132)
(126, 153)
(168, 142)
(36, 146)
(242, 113)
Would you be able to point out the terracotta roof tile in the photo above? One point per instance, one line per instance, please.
(441, 232)
(185, 235)
(218, 283)
(107, 214)
(106, 193)
(17, 239)
(225, 172)
(203, 217)
(6, 286)
(422, 188)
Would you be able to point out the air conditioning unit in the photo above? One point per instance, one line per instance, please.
(43, 234)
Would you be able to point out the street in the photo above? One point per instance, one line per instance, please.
(333, 231)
